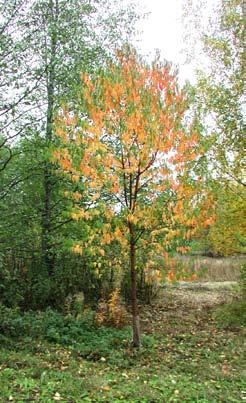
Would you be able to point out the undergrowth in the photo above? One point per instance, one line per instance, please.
(80, 334)
(231, 315)
(47, 357)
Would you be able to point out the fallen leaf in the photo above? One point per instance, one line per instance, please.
(57, 396)
(106, 388)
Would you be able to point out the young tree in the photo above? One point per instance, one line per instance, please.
(221, 80)
(131, 154)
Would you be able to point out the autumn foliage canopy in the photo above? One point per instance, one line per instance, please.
(134, 152)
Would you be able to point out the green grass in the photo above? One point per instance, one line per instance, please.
(51, 358)
(232, 315)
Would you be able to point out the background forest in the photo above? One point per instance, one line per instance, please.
(116, 181)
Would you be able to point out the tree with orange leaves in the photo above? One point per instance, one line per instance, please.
(134, 157)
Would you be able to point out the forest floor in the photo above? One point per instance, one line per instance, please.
(186, 356)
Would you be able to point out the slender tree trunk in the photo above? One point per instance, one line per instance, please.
(48, 256)
(135, 311)
(47, 253)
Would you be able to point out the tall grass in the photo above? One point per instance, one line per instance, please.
(214, 269)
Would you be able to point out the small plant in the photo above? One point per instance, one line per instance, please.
(112, 312)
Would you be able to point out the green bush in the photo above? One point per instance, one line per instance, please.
(26, 284)
(80, 334)
(231, 315)
(50, 325)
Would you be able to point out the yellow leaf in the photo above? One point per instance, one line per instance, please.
(74, 178)
(106, 239)
(77, 196)
(77, 249)
(132, 218)
(95, 196)
(106, 388)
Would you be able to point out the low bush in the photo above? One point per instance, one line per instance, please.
(17, 324)
(232, 315)
(81, 334)
(111, 312)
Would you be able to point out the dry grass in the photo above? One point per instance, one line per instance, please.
(214, 269)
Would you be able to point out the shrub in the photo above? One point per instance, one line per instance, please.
(49, 325)
(112, 312)
(78, 334)
(231, 315)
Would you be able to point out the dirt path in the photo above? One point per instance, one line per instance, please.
(186, 306)
(202, 294)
